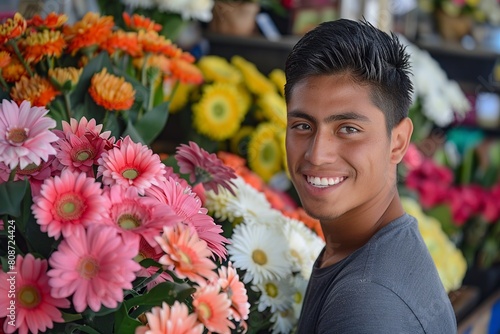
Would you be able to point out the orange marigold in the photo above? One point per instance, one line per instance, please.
(111, 92)
(90, 31)
(4, 59)
(126, 41)
(138, 22)
(52, 21)
(185, 71)
(188, 57)
(36, 89)
(152, 42)
(14, 71)
(46, 43)
(60, 76)
(12, 28)
(159, 61)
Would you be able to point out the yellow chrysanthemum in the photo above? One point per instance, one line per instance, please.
(60, 76)
(180, 97)
(36, 89)
(273, 107)
(111, 92)
(256, 82)
(46, 43)
(264, 151)
(282, 140)
(217, 115)
(245, 98)
(277, 77)
(238, 144)
(218, 69)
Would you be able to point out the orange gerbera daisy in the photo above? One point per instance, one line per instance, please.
(14, 71)
(90, 31)
(185, 72)
(61, 75)
(36, 89)
(4, 59)
(159, 61)
(52, 21)
(12, 28)
(120, 40)
(46, 43)
(152, 42)
(138, 22)
(111, 92)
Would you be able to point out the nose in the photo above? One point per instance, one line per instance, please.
(321, 149)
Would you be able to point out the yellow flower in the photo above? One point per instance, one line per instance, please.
(256, 82)
(218, 69)
(181, 95)
(264, 151)
(111, 92)
(282, 140)
(239, 142)
(277, 77)
(245, 98)
(273, 107)
(65, 76)
(217, 114)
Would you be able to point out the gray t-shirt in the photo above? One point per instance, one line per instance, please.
(388, 286)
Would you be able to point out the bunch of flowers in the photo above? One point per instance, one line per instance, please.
(120, 243)
(468, 211)
(240, 110)
(94, 68)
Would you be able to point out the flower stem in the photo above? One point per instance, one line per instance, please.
(12, 174)
(67, 103)
(144, 77)
(3, 82)
(20, 56)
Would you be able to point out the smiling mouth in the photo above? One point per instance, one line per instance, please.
(323, 182)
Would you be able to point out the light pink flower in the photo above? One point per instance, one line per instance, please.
(25, 134)
(213, 309)
(34, 309)
(82, 127)
(136, 215)
(95, 266)
(204, 167)
(131, 165)
(170, 320)
(187, 253)
(67, 203)
(187, 206)
(236, 291)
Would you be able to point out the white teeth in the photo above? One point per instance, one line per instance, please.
(324, 181)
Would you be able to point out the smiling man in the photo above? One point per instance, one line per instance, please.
(348, 92)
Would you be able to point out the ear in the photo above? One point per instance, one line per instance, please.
(400, 139)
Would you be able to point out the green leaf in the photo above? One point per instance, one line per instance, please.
(131, 131)
(167, 292)
(11, 196)
(443, 214)
(152, 123)
(75, 328)
(141, 92)
(69, 317)
(112, 125)
(123, 322)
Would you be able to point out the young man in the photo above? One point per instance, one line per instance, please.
(348, 92)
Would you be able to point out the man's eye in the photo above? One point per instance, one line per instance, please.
(301, 126)
(348, 130)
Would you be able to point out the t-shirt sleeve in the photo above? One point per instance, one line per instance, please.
(367, 307)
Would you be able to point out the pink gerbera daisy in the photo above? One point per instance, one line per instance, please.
(236, 291)
(188, 207)
(80, 153)
(187, 253)
(68, 202)
(213, 308)
(167, 320)
(82, 127)
(136, 215)
(131, 165)
(204, 167)
(35, 309)
(95, 265)
(148, 252)
(25, 134)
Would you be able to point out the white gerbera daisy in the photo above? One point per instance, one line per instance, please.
(284, 321)
(260, 250)
(304, 245)
(133, 4)
(217, 204)
(275, 294)
(299, 285)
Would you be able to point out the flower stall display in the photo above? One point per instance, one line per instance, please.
(93, 68)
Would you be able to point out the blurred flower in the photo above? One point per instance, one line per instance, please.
(90, 31)
(275, 294)
(277, 76)
(170, 319)
(5, 59)
(47, 43)
(65, 78)
(188, 9)
(213, 308)
(25, 135)
(256, 82)
(12, 28)
(218, 69)
(236, 291)
(51, 21)
(185, 71)
(264, 151)
(111, 92)
(138, 22)
(35, 308)
(37, 90)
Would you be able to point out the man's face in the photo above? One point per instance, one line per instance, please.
(337, 147)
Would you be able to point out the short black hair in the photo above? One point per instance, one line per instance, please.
(356, 48)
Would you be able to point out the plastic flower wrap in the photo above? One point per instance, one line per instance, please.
(95, 68)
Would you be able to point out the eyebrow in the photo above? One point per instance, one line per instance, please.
(350, 115)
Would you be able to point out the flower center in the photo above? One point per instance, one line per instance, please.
(204, 311)
(17, 135)
(69, 207)
(129, 222)
(88, 268)
(130, 174)
(268, 153)
(139, 257)
(30, 169)
(271, 290)
(297, 297)
(219, 110)
(83, 155)
(259, 257)
(29, 296)
(184, 257)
